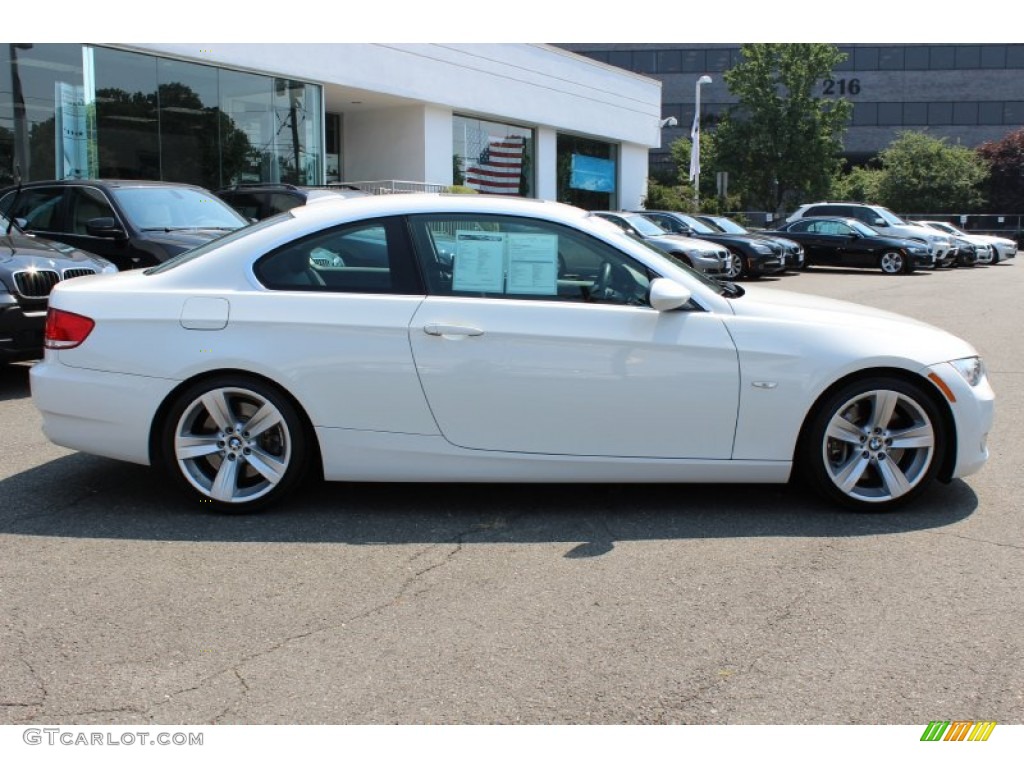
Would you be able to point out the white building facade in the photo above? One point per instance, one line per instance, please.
(537, 120)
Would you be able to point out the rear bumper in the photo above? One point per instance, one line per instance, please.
(97, 412)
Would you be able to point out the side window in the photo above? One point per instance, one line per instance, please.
(520, 258)
(246, 203)
(279, 203)
(86, 204)
(364, 257)
(39, 207)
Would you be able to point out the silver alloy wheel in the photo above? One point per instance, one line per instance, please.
(232, 445)
(892, 262)
(878, 446)
(734, 268)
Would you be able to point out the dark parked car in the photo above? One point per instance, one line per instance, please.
(260, 201)
(29, 268)
(131, 223)
(833, 242)
(793, 251)
(749, 257)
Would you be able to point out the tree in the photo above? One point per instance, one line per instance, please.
(1005, 185)
(782, 144)
(925, 174)
(860, 184)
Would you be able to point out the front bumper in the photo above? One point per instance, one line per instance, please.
(21, 329)
(973, 414)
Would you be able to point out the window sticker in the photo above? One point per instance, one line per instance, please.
(479, 261)
(532, 264)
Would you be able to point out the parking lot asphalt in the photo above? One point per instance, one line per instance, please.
(355, 603)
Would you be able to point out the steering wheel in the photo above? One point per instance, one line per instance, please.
(602, 287)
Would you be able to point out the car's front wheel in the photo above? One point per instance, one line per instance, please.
(234, 442)
(734, 266)
(874, 444)
(893, 263)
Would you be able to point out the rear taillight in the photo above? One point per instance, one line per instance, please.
(66, 330)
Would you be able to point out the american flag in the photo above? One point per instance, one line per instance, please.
(499, 166)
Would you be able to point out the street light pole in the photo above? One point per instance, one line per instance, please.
(695, 139)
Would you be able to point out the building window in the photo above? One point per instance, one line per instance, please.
(1015, 57)
(865, 59)
(942, 57)
(586, 172)
(622, 59)
(492, 157)
(990, 113)
(993, 57)
(965, 113)
(915, 113)
(968, 56)
(940, 113)
(1013, 113)
(694, 61)
(645, 62)
(865, 113)
(916, 57)
(846, 65)
(718, 59)
(670, 62)
(890, 113)
(891, 58)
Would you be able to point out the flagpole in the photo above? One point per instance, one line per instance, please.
(695, 139)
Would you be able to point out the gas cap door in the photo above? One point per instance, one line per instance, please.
(204, 313)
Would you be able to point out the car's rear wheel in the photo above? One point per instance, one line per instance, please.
(892, 263)
(234, 442)
(874, 444)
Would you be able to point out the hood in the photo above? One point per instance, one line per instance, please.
(670, 242)
(31, 251)
(177, 240)
(897, 334)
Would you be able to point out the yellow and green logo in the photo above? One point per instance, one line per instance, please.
(958, 730)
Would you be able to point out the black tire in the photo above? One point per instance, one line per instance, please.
(207, 450)
(873, 444)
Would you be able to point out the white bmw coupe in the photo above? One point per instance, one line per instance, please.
(465, 338)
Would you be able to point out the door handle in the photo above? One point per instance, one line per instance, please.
(440, 329)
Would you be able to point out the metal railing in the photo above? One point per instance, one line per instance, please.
(395, 186)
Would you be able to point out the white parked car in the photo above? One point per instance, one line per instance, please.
(243, 366)
(996, 248)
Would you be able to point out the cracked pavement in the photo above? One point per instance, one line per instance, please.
(122, 604)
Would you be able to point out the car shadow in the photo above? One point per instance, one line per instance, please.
(14, 381)
(82, 496)
(874, 271)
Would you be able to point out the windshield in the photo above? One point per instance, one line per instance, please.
(171, 208)
(889, 217)
(862, 228)
(728, 225)
(645, 226)
(697, 225)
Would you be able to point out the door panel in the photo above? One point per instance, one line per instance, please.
(577, 379)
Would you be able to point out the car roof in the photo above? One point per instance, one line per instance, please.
(109, 183)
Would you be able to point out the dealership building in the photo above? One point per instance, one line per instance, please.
(968, 94)
(528, 119)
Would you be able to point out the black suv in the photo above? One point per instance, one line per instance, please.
(131, 223)
(261, 200)
(29, 268)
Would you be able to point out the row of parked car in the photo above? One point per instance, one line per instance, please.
(57, 230)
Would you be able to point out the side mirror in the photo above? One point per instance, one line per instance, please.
(666, 295)
(104, 226)
(879, 223)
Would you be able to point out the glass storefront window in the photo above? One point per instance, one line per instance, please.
(38, 83)
(495, 158)
(586, 173)
(71, 111)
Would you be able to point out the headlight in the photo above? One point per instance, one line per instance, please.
(971, 368)
(918, 249)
